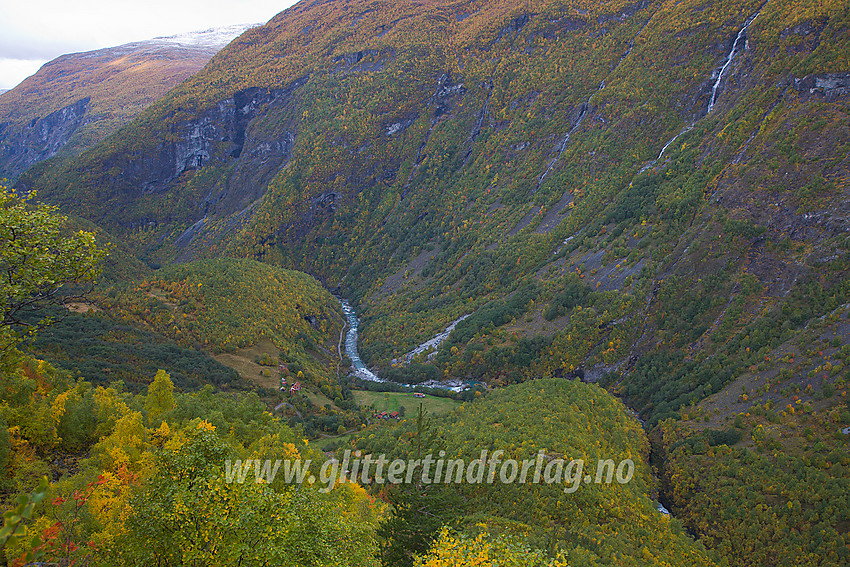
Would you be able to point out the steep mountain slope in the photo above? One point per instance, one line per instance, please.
(76, 100)
(341, 138)
(348, 139)
(653, 195)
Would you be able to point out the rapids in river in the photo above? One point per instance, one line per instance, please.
(362, 371)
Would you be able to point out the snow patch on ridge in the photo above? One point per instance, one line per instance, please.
(212, 37)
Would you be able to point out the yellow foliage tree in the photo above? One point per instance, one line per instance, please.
(160, 396)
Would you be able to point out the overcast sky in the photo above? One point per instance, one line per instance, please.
(33, 32)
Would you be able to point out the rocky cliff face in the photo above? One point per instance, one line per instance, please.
(76, 100)
(42, 138)
(231, 140)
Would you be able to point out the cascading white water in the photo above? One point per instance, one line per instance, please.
(735, 49)
(360, 368)
(667, 145)
(363, 372)
(673, 139)
(563, 145)
(433, 342)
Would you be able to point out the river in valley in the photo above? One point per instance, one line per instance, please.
(362, 371)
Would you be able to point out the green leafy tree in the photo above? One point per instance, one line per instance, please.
(419, 511)
(40, 263)
(160, 396)
(14, 520)
(189, 514)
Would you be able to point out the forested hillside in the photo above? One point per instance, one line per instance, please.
(456, 150)
(589, 523)
(149, 487)
(649, 196)
(238, 325)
